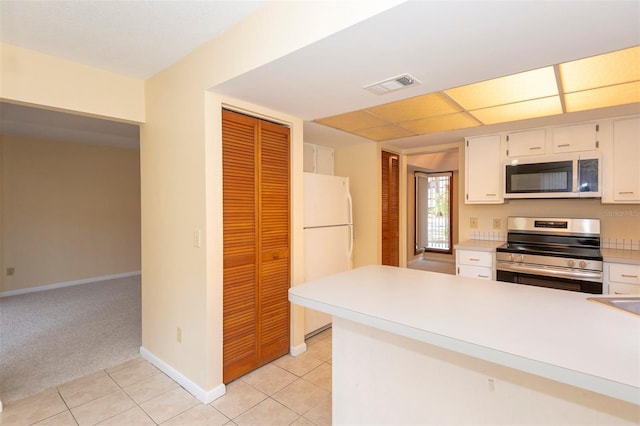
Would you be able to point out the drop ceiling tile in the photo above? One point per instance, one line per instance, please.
(538, 83)
(519, 111)
(620, 94)
(431, 105)
(622, 66)
(352, 121)
(384, 133)
(441, 124)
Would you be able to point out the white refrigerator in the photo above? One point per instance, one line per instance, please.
(328, 234)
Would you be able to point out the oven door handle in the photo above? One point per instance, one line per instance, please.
(594, 276)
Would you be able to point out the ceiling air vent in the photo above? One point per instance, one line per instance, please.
(392, 84)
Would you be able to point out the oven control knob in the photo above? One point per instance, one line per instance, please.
(511, 257)
(582, 264)
(520, 258)
(571, 263)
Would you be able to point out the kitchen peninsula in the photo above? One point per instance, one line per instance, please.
(415, 347)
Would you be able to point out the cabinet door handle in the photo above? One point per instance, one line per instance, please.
(535, 147)
(491, 195)
(629, 276)
(478, 260)
(626, 192)
(564, 145)
(483, 276)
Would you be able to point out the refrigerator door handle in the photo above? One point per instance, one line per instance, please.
(350, 252)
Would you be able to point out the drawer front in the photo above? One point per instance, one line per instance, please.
(475, 258)
(628, 274)
(474, 272)
(617, 288)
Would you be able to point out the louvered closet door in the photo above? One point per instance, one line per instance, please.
(240, 343)
(256, 243)
(274, 241)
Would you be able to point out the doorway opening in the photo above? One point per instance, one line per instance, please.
(433, 211)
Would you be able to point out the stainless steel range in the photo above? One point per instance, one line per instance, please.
(552, 252)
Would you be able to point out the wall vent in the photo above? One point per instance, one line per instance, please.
(392, 84)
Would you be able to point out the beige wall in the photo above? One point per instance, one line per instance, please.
(180, 162)
(361, 164)
(33, 78)
(70, 211)
(181, 181)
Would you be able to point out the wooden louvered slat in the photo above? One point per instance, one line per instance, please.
(256, 237)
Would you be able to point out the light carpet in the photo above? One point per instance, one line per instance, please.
(51, 337)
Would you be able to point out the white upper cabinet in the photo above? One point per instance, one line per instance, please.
(318, 159)
(583, 137)
(309, 159)
(324, 160)
(483, 178)
(531, 142)
(626, 161)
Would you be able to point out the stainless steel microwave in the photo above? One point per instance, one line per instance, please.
(559, 176)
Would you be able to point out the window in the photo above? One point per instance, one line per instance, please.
(433, 211)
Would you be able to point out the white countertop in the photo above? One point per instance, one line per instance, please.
(552, 333)
(479, 245)
(631, 257)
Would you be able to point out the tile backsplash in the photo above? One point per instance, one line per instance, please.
(620, 243)
(609, 243)
(489, 235)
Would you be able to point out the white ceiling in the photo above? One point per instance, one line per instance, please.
(443, 43)
(134, 38)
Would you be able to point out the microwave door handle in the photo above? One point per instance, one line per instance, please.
(576, 175)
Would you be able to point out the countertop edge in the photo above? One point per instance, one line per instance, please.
(478, 245)
(582, 380)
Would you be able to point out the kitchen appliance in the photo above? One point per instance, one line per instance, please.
(558, 176)
(552, 252)
(328, 234)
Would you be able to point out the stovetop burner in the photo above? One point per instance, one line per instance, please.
(575, 252)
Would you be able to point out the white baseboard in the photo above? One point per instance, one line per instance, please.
(68, 283)
(297, 350)
(204, 396)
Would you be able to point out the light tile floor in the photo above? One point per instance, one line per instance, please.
(288, 391)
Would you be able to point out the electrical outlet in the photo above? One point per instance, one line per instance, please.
(497, 223)
(179, 334)
(473, 223)
(10, 271)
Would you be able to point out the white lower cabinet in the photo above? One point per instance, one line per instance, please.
(475, 264)
(622, 278)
